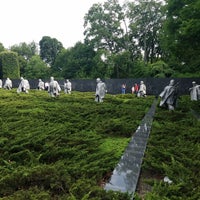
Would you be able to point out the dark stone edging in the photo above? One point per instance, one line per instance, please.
(126, 174)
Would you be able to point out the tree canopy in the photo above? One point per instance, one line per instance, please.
(49, 49)
(9, 65)
(182, 39)
(103, 26)
(25, 50)
(137, 38)
(36, 68)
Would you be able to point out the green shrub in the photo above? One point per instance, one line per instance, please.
(9, 65)
(173, 151)
(63, 148)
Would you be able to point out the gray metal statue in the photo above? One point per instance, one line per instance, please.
(40, 84)
(169, 96)
(8, 84)
(194, 91)
(67, 87)
(54, 88)
(142, 90)
(24, 86)
(100, 90)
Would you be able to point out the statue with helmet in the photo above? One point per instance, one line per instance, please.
(100, 90)
(169, 95)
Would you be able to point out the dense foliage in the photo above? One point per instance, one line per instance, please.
(65, 147)
(9, 65)
(25, 50)
(37, 68)
(181, 37)
(1, 47)
(125, 41)
(173, 151)
(49, 49)
(76, 62)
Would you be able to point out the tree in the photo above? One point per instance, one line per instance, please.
(103, 26)
(102, 66)
(145, 22)
(106, 30)
(9, 65)
(25, 50)
(182, 38)
(22, 64)
(36, 68)
(160, 69)
(49, 49)
(1, 47)
(122, 65)
(76, 62)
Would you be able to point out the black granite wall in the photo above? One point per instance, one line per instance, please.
(154, 85)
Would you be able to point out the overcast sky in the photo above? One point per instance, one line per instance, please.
(30, 20)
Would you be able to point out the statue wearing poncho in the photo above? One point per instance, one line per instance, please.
(100, 90)
(169, 96)
(54, 88)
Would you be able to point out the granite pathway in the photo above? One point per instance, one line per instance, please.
(126, 174)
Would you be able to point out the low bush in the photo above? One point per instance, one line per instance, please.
(173, 151)
(63, 148)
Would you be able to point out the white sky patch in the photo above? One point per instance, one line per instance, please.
(30, 20)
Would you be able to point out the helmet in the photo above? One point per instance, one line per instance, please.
(171, 82)
(98, 80)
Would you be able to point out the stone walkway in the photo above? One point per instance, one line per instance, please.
(125, 175)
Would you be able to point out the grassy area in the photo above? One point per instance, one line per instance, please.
(65, 147)
(174, 151)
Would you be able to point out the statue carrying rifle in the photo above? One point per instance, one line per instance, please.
(169, 95)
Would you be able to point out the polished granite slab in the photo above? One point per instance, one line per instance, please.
(125, 176)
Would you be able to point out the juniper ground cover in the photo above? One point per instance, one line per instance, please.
(65, 147)
(173, 151)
